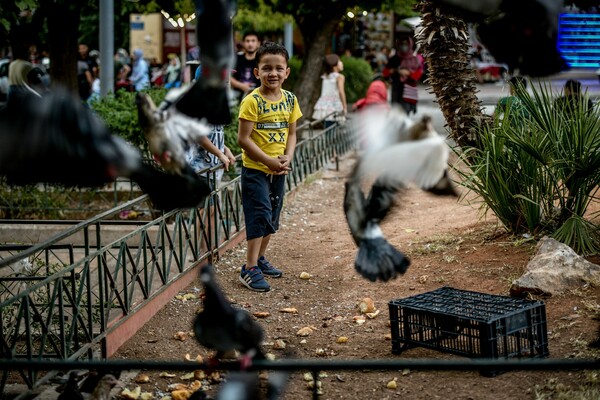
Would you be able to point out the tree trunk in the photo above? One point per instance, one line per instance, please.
(445, 44)
(63, 22)
(316, 42)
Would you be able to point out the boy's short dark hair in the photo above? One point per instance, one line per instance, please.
(272, 48)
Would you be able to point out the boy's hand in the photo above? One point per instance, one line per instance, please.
(278, 165)
(284, 160)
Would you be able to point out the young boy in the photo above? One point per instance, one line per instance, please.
(267, 136)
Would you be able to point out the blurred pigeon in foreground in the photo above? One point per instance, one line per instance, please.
(521, 34)
(208, 96)
(221, 327)
(54, 139)
(169, 133)
(245, 386)
(421, 162)
(240, 386)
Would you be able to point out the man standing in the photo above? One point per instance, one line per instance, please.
(140, 77)
(243, 80)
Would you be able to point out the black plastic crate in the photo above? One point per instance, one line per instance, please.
(470, 324)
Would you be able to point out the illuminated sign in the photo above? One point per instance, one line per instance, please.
(579, 39)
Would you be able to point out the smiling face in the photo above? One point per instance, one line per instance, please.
(272, 71)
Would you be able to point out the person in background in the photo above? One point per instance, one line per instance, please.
(572, 99)
(243, 80)
(173, 72)
(84, 54)
(512, 105)
(376, 96)
(381, 58)
(405, 69)
(140, 75)
(333, 93)
(85, 79)
(122, 70)
(95, 89)
(267, 136)
(210, 150)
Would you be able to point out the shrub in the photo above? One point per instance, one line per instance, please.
(358, 75)
(231, 132)
(539, 174)
(295, 64)
(119, 112)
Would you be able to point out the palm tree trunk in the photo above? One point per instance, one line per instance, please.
(445, 43)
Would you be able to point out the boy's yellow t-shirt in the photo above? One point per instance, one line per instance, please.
(271, 124)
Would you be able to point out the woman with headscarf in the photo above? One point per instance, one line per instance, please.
(405, 69)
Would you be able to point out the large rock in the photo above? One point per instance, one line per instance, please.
(554, 268)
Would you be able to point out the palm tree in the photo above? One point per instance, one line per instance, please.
(444, 41)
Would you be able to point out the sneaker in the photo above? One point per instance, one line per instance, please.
(253, 279)
(268, 269)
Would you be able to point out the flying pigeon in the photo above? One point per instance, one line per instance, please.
(55, 139)
(186, 112)
(421, 162)
(208, 98)
(221, 327)
(169, 133)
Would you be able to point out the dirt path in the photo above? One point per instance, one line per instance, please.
(448, 245)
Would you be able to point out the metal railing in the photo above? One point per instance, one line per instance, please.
(61, 298)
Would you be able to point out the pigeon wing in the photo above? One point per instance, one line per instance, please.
(420, 162)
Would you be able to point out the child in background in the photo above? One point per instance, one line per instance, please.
(210, 150)
(333, 94)
(267, 136)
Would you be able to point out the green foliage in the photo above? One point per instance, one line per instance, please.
(32, 202)
(259, 18)
(404, 8)
(231, 132)
(295, 64)
(358, 75)
(539, 174)
(119, 112)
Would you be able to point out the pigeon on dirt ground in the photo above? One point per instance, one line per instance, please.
(71, 391)
(105, 385)
(222, 327)
(394, 166)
